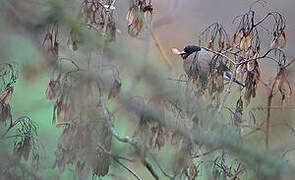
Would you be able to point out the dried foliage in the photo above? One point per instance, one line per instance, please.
(22, 129)
(86, 137)
(25, 141)
(50, 45)
(139, 17)
(283, 84)
(242, 57)
(115, 90)
(97, 15)
(5, 98)
(221, 169)
(185, 118)
(73, 41)
(215, 37)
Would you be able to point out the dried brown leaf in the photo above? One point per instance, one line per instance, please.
(115, 90)
(52, 89)
(6, 96)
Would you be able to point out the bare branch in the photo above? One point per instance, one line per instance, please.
(128, 169)
(220, 54)
(227, 91)
(162, 51)
(150, 168)
(124, 139)
(205, 153)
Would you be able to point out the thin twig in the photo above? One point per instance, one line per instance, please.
(269, 101)
(163, 53)
(269, 104)
(150, 168)
(262, 20)
(124, 139)
(257, 128)
(205, 153)
(161, 169)
(283, 123)
(71, 61)
(290, 63)
(179, 80)
(227, 91)
(128, 169)
(260, 127)
(234, 177)
(113, 155)
(273, 107)
(220, 54)
(116, 159)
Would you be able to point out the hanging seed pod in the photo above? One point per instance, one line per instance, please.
(247, 42)
(111, 31)
(115, 90)
(5, 97)
(175, 139)
(251, 65)
(285, 90)
(220, 39)
(235, 40)
(64, 114)
(52, 89)
(193, 171)
(274, 44)
(50, 49)
(5, 112)
(215, 83)
(238, 114)
(241, 71)
(282, 41)
(73, 41)
(61, 112)
(23, 147)
(130, 17)
(93, 7)
(139, 17)
(240, 68)
(48, 42)
(256, 55)
(94, 14)
(157, 140)
(284, 85)
(134, 22)
(148, 12)
(242, 43)
(238, 36)
(87, 11)
(249, 52)
(56, 47)
(211, 43)
(251, 83)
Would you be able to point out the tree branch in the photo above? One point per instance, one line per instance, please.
(227, 91)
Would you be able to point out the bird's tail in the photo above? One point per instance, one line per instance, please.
(227, 76)
(239, 83)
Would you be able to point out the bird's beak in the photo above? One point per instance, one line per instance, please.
(176, 51)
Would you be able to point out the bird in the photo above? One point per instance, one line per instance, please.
(198, 62)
